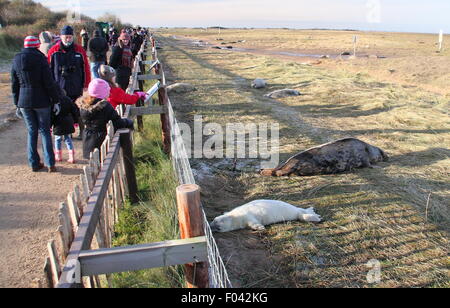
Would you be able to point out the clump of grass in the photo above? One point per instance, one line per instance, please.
(154, 219)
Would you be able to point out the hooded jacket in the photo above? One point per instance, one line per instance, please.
(63, 123)
(70, 68)
(32, 83)
(97, 47)
(46, 42)
(120, 61)
(95, 118)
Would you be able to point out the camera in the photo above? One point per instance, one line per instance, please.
(66, 70)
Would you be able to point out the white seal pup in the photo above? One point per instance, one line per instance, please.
(259, 83)
(259, 213)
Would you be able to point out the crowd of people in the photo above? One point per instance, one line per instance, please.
(59, 85)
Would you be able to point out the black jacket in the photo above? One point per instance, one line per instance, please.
(136, 43)
(95, 118)
(85, 40)
(69, 68)
(67, 117)
(98, 47)
(33, 85)
(123, 73)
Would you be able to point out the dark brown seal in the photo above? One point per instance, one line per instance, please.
(334, 157)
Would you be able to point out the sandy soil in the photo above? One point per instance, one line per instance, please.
(28, 208)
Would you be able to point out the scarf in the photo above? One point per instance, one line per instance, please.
(127, 57)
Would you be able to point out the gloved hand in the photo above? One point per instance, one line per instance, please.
(56, 109)
(19, 113)
(129, 124)
(142, 95)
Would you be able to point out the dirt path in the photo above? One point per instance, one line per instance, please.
(28, 208)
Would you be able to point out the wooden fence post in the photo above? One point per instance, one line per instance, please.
(164, 101)
(191, 225)
(130, 172)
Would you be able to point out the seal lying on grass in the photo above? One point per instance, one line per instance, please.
(334, 157)
(283, 93)
(259, 213)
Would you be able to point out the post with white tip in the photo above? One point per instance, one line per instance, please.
(191, 225)
(441, 40)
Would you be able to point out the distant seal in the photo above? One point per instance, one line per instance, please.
(259, 213)
(283, 93)
(259, 83)
(180, 88)
(334, 157)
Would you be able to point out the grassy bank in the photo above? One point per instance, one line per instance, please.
(9, 45)
(154, 219)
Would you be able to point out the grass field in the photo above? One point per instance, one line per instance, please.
(398, 215)
(154, 219)
(408, 59)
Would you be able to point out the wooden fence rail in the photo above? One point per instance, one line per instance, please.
(87, 218)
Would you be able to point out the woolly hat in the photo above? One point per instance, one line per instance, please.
(107, 72)
(31, 42)
(99, 88)
(67, 30)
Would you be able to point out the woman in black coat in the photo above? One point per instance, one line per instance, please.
(35, 92)
(96, 112)
(122, 60)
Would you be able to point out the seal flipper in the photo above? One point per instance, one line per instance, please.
(255, 225)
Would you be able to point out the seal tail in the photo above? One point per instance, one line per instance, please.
(268, 172)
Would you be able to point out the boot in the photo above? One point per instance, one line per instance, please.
(58, 155)
(71, 156)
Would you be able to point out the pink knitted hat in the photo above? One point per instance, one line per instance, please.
(99, 88)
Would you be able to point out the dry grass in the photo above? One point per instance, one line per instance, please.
(368, 214)
(412, 56)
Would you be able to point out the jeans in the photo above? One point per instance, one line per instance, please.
(67, 140)
(95, 66)
(39, 121)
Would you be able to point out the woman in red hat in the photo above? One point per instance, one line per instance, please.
(35, 92)
(122, 60)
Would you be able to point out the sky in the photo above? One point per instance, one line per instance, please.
(377, 15)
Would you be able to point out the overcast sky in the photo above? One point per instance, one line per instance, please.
(387, 15)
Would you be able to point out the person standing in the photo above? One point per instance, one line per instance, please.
(98, 48)
(122, 60)
(63, 127)
(70, 66)
(84, 39)
(34, 93)
(136, 43)
(114, 37)
(46, 42)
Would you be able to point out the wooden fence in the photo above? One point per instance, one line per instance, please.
(85, 257)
